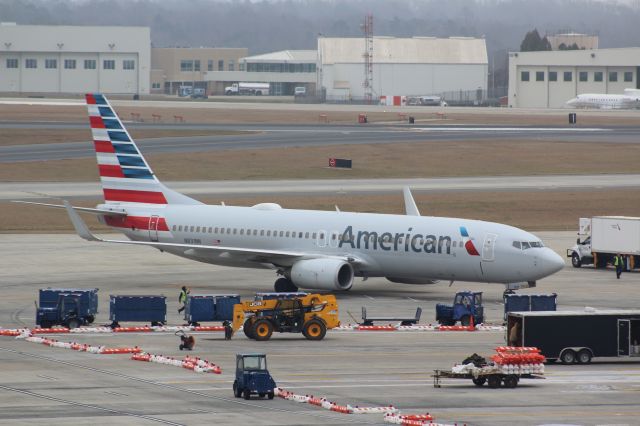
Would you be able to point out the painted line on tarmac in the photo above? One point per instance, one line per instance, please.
(91, 406)
(509, 129)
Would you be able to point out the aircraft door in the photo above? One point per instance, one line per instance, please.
(488, 252)
(624, 330)
(153, 227)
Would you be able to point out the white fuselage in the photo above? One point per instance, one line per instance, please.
(604, 101)
(416, 248)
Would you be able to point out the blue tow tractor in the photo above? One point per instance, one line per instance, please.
(252, 377)
(70, 307)
(466, 305)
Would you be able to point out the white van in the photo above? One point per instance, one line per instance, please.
(300, 91)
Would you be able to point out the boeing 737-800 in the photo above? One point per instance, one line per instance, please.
(309, 249)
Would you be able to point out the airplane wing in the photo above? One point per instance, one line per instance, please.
(251, 254)
(82, 209)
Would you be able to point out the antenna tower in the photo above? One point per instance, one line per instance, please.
(368, 57)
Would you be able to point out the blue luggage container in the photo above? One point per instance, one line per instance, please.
(151, 309)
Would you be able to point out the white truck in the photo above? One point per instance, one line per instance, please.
(256, 89)
(605, 236)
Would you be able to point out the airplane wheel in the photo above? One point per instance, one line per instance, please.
(262, 330)
(314, 330)
(283, 285)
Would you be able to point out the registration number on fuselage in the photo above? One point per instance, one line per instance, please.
(193, 241)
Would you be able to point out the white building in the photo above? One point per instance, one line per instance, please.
(549, 79)
(402, 66)
(74, 59)
(283, 70)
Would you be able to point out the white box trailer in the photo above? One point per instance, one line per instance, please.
(601, 237)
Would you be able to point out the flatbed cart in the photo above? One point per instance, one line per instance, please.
(493, 379)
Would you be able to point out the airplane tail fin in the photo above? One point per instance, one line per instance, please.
(125, 174)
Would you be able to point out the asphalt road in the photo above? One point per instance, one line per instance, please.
(44, 385)
(282, 136)
(31, 190)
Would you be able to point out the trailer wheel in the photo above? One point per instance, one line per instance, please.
(73, 323)
(479, 381)
(568, 356)
(584, 356)
(314, 330)
(262, 330)
(494, 382)
(575, 260)
(510, 381)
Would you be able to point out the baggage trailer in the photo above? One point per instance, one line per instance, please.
(152, 309)
(70, 307)
(577, 336)
(210, 307)
(493, 379)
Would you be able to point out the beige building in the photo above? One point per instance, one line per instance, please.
(583, 41)
(549, 79)
(74, 59)
(173, 67)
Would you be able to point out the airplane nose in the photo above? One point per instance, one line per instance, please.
(552, 262)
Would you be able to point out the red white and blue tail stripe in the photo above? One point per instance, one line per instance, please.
(125, 175)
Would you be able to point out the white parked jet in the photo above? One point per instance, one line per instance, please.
(309, 249)
(629, 100)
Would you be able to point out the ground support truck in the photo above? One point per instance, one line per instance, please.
(255, 89)
(70, 307)
(600, 238)
(311, 314)
(577, 336)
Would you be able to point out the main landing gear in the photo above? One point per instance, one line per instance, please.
(284, 285)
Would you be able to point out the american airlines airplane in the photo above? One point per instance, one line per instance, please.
(630, 100)
(309, 249)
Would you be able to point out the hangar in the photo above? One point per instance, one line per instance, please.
(402, 66)
(74, 59)
(548, 79)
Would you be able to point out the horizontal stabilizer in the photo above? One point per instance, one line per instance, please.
(102, 212)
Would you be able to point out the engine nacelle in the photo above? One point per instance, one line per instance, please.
(419, 281)
(322, 274)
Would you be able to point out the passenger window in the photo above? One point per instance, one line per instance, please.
(517, 245)
(268, 233)
(235, 231)
(173, 228)
(215, 230)
(210, 230)
(306, 235)
(255, 232)
(314, 235)
(281, 234)
(191, 228)
(198, 229)
(228, 230)
(322, 236)
(222, 230)
(262, 232)
(287, 234)
(333, 236)
(241, 232)
(300, 235)
(455, 243)
(180, 228)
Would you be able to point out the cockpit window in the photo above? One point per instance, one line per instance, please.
(536, 244)
(517, 245)
(525, 245)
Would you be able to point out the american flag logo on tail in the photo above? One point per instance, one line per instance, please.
(125, 175)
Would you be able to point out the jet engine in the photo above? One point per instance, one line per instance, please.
(405, 280)
(322, 274)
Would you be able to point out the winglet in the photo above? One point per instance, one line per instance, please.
(78, 223)
(409, 204)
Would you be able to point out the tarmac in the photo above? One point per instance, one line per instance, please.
(40, 384)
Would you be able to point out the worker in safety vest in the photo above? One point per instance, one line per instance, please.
(618, 262)
(182, 298)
